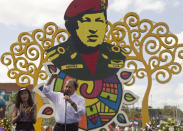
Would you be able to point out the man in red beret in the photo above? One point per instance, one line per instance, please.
(85, 55)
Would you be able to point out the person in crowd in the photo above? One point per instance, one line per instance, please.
(69, 106)
(24, 112)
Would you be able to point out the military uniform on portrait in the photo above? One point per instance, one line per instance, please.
(67, 58)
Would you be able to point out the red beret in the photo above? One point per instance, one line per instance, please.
(79, 6)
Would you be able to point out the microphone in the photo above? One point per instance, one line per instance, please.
(66, 93)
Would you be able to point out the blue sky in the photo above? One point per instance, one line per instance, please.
(18, 16)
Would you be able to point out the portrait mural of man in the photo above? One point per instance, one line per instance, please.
(85, 55)
(95, 64)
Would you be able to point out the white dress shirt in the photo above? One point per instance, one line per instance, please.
(58, 100)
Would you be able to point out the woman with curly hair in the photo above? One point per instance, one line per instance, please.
(24, 112)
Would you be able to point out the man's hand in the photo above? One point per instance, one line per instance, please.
(51, 78)
(67, 98)
(54, 75)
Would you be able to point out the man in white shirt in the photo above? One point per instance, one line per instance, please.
(69, 107)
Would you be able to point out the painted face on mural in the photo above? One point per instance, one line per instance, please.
(91, 29)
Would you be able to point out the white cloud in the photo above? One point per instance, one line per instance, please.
(178, 91)
(39, 12)
(32, 12)
(3, 75)
(168, 94)
(173, 3)
(176, 3)
(180, 37)
(138, 5)
(142, 5)
(119, 5)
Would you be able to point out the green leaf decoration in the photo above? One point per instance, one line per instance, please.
(121, 118)
(129, 97)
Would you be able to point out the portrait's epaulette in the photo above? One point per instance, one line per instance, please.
(63, 56)
(118, 50)
(60, 50)
(115, 55)
(55, 52)
(112, 49)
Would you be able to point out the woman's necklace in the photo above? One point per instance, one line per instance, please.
(25, 106)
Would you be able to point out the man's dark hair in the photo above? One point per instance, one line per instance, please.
(74, 83)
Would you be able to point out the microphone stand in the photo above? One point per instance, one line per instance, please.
(65, 113)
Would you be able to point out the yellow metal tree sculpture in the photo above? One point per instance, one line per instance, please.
(152, 50)
(27, 55)
(151, 47)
